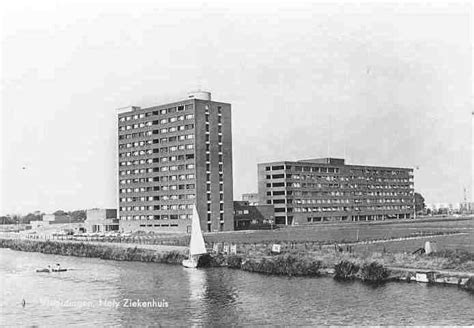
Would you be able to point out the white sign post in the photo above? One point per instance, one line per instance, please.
(276, 248)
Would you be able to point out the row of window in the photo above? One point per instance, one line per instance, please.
(331, 185)
(162, 131)
(167, 217)
(181, 177)
(159, 225)
(354, 218)
(149, 189)
(349, 209)
(240, 212)
(157, 150)
(303, 169)
(335, 170)
(162, 121)
(333, 178)
(173, 207)
(327, 218)
(337, 201)
(156, 198)
(144, 143)
(340, 201)
(163, 111)
(157, 217)
(345, 193)
(176, 158)
(155, 160)
(159, 188)
(339, 193)
(303, 185)
(153, 198)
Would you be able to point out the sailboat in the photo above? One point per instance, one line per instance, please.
(197, 246)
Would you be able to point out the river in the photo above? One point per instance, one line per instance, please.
(134, 293)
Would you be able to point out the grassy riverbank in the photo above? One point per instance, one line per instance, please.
(318, 234)
(104, 251)
(373, 267)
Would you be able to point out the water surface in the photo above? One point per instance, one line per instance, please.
(96, 291)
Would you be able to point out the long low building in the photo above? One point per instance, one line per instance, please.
(101, 220)
(326, 189)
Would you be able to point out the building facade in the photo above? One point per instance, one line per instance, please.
(101, 220)
(326, 189)
(249, 216)
(172, 156)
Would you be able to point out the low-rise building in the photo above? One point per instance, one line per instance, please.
(248, 216)
(327, 189)
(101, 220)
(49, 217)
(467, 207)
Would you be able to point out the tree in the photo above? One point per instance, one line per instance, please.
(31, 217)
(6, 219)
(419, 202)
(78, 215)
(60, 212)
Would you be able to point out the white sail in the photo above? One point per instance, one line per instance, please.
(196, 246)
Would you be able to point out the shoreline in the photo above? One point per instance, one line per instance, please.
(288, 264)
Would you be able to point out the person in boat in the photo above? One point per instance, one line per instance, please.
(50, 269)
(58, 267)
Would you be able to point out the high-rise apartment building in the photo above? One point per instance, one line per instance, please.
(326, 189)
(172, 156)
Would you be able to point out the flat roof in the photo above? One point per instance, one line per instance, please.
(132, 109)
(309, 162)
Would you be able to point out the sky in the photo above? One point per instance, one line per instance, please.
(386, 84)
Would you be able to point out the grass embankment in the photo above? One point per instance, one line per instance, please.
(313, 234)
(105, 252)
(370, 267)
(284, 264)
(370, 272)
(366, 266)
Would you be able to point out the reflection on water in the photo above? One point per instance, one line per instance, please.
(197, 285)
(197, 293)
(103, 292)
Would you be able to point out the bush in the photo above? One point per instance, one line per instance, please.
(373, 272)
(88, 250)
(218, 260)
(173, 257)
(470, 284)
(287, 264)
(234, 261)
(345, 270)
(204, 261)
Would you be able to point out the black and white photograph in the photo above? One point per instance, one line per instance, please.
(236, 163)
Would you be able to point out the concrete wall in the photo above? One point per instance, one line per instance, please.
(214, 218)
(183, 226)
